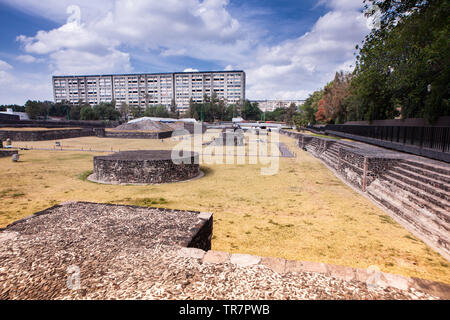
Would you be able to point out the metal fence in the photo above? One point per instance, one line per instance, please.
(433, 138)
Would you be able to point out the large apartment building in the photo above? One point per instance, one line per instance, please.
(148, 89)
(271, 105)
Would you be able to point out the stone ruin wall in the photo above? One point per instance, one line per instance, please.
(40, 135)
(110, 170)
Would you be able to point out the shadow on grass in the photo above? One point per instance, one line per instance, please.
(206, 171)
(84, 175)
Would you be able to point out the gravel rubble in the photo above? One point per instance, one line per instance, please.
(125, 252)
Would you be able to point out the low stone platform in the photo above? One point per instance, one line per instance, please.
(23, 134)
(145, 167)
(229, 138)
(7, 153)
(413, 190)
(36, 252)
(83, 250)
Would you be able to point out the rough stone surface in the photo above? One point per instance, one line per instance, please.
(341, 272)
(294, 266)
(216, 257)
(244, 260)
(413, 190)
(8, 236)
(314, 267)
(127, 252)
(205, 215)
(145, 167)
(137, 134)
(51, 134)
(7, 153)
(191, 253)
(275, 264)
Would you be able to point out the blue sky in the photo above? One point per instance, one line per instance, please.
(287, 48)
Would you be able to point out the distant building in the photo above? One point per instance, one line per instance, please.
(22, 115)
(149, 89)
(271, 105)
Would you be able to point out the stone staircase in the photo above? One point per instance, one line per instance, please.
(313, 147)
(413, 190)
(331, 155)
(418, 193)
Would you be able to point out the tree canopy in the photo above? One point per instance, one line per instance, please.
(401, 67)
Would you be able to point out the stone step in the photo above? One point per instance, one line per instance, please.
(429, 173)
(423, 225)
(420, 216)
(333, 162)
(440, 202)
(422, 178)
(332, 151)
(420, 206)
(426, 188)
(440, 168)
(311, 149)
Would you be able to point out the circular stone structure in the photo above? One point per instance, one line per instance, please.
(145, 167)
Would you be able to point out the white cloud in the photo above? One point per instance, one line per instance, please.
(13, 86)
(5, 65)
(174, 27)
(190, 70)
(83, 62)
(342, 4)
(26, 58)
(112, 32)
(299, 66)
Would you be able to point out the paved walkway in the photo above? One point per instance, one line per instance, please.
(284, 150)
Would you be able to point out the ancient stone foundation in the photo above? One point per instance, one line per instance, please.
(137, 134)
(414, 191)
(145, 167)
(51, 134)
(7, 153)
(229, 139)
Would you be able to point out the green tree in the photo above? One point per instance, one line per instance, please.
(401, 60)
(37, 109)
(173, 108)
(290, 113)
(251, 111)
(75, 110)
(14, 107)
(191, 109)
(124, 110)
(159, 111)
(136, 112)
(309, 108)
(106, 111)
(87, 113)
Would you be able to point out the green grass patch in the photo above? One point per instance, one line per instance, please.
(148, 202)
(84, 175)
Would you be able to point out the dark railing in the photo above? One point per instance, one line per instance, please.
(433, 138)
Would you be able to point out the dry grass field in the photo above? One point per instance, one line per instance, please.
(303, 212)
